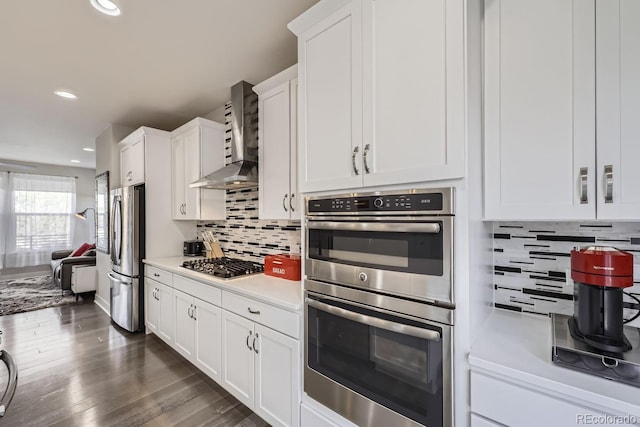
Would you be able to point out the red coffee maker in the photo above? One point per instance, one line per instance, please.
(600, 274)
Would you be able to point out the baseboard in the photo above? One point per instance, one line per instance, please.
(102, 303)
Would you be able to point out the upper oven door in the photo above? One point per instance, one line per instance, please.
(409, 257)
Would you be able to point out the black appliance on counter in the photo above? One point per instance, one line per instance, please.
(600, 274)
(594, 340)
(224, 268)
(193, 248)
(575, 354)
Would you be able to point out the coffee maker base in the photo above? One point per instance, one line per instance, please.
(599, 342)
(575, 354)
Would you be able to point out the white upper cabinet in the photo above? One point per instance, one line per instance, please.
(277, 121)
(413, 77)
(330, 95)
(555, 71)
(197, 149)
(618, 109)
(381, 94)
(132, 159)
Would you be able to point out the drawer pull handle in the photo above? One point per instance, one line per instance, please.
(156, 275)
(253, 311)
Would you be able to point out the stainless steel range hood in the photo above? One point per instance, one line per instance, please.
(242, 172)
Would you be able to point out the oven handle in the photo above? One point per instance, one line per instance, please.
(400, 328)
(396, 227)
(12, 383)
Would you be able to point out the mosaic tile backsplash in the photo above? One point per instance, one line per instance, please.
(243, 235)
(532, 263)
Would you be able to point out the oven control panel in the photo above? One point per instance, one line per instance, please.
(388, 203)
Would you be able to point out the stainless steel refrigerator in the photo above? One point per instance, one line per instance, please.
(127, 252)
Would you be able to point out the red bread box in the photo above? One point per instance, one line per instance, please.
(283, 266)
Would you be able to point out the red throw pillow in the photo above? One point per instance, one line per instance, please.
(82, 249)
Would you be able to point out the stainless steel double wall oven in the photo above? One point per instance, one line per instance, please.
(379, 306)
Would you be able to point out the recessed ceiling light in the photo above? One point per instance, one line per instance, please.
(65, 94)
(107, 7)
(88, 149)
(75, 161)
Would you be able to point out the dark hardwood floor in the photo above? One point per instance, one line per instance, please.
(75, 368)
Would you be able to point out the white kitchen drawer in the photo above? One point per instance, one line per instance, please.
(207, 293)
(265, 314)
(159, 275)
(478, 421)
(512, 405)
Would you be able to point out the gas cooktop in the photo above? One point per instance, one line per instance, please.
(224, 268)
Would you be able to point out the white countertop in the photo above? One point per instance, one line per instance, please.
(518, 346)
(282, 293)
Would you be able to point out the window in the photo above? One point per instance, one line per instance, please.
(38, 218)
(42, 219)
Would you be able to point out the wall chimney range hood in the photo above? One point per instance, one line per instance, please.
(242, 172)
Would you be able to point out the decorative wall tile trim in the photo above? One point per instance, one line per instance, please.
(243, 235)
(532, 263)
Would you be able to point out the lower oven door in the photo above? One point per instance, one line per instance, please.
(375, 367)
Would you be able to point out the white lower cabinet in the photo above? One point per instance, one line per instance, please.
(261, 368)
(159, 309)
(310, 418)
(498, 402)
(249, 347)
(198, 333)
(208, 339)
(277, 371)
(185, 324)
(478, 421)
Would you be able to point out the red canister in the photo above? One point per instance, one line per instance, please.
(284, 266)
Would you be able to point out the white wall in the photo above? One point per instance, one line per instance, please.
(216, 115)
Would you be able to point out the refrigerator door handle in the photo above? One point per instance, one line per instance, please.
(12, 384)
(113, 231)
(116, 242)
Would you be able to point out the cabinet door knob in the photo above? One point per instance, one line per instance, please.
(584, 198)
(364, 158)
(248, 338)
(608, 183)
(284, 205)
(129, 175)
(353, 160)
(254, 343)
(291, 204)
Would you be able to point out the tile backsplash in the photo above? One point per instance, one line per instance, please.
(532, 263)
(243, 235)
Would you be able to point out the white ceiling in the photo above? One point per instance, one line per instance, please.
(159, 64)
